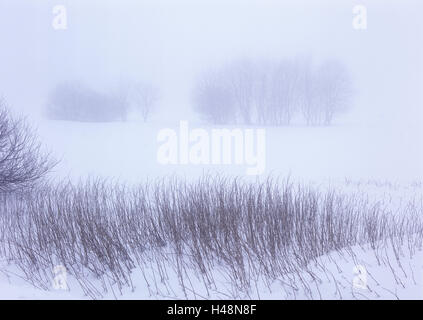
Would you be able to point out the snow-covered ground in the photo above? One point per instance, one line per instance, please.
(338, 275)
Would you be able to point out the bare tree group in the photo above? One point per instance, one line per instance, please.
(274, 93)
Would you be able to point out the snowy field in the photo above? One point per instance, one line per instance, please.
(312, 156)
(333, 88)
(128, 151)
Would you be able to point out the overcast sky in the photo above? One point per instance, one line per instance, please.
(170, 42)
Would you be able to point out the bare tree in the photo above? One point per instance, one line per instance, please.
(334, 90)
(273, 92)
(241, 78)
(262, 93)
(22, 163)
(145, 97)
(308, 93)
(284, 92)
(214, 99)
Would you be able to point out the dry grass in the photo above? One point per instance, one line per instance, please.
(102, 231)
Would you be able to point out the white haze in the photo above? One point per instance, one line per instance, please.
(170, 42)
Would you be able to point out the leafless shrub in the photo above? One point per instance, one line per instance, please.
(250, 232)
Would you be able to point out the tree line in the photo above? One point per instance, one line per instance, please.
(75, 101)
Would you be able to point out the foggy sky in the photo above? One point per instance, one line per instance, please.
(170, 42)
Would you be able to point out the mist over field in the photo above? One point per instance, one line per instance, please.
(171, 42)
(132, 92)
